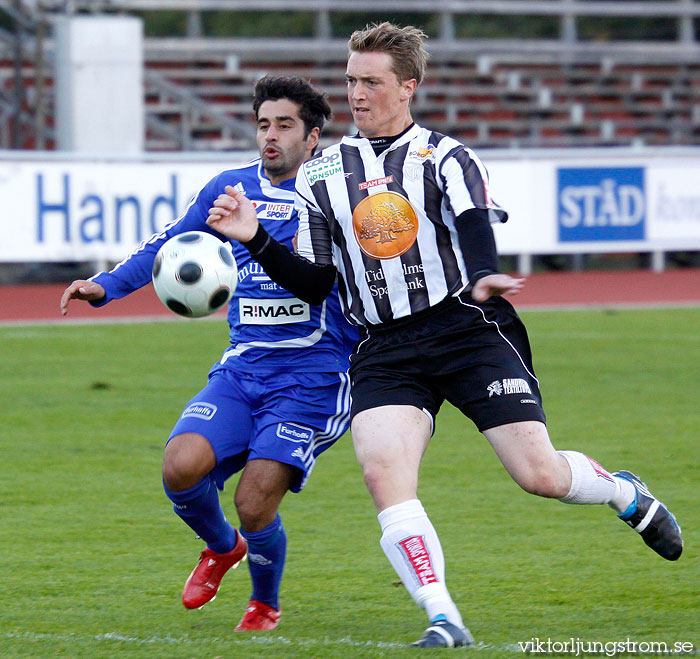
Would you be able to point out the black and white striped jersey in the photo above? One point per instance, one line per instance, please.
(387, 222)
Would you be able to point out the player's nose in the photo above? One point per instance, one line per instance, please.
(358, 93)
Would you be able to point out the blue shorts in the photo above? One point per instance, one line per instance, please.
(287, 417)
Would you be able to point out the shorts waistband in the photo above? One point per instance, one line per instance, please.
(413, 318)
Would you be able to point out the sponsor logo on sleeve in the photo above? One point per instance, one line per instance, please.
(268, 210)
(597, 204)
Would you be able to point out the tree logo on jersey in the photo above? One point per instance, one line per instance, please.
(385, 225)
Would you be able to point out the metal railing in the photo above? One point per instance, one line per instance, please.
(175, 124)
(228, 132)
(24, 120)
(566, 12)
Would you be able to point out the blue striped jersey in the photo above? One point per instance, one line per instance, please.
(270, 329)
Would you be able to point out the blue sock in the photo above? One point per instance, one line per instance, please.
(200, 509)
(267, 550)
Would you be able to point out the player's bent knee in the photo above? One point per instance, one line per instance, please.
(542, 483)
(255, 513)
(250, 514)
(374, 478)
(389, 486)
(187, 459)
(179, 477)
(260, 489)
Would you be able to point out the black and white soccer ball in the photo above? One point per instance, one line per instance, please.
(195, 274)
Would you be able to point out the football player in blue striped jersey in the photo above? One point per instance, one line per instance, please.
(280, 394)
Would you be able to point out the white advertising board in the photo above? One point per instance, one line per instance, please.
(605, 202)
(83, 211)
(559, 202)
(674, 204)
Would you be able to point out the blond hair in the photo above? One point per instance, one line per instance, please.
(404, 44)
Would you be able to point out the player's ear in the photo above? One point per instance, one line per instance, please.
(312, 139)
(408, 87)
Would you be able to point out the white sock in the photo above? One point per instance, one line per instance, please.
(625, 497)
(590, 483)
(413, 549)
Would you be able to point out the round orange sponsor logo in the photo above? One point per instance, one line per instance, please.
(385, 225)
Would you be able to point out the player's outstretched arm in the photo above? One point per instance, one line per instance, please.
(233, 216)
(81, 289)
(497, 284)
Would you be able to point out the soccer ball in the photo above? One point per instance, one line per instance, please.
(195, 274)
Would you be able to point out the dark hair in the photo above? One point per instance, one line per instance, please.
(313, 106)
(404, 44)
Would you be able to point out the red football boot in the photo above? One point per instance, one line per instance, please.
(203, 584)
(258, 617)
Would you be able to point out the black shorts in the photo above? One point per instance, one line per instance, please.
(476, 356)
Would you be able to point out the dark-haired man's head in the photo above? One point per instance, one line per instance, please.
(289, 115)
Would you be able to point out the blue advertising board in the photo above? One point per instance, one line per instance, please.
(599, 204)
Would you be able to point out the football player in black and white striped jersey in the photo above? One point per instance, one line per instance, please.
(401, 215)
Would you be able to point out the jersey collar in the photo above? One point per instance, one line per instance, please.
(284, 190)
(362, 142)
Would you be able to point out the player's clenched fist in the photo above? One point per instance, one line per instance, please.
(233, 215)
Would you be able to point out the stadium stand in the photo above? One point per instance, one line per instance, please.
(490, 92)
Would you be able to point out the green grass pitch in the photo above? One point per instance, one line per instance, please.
(93, 559)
